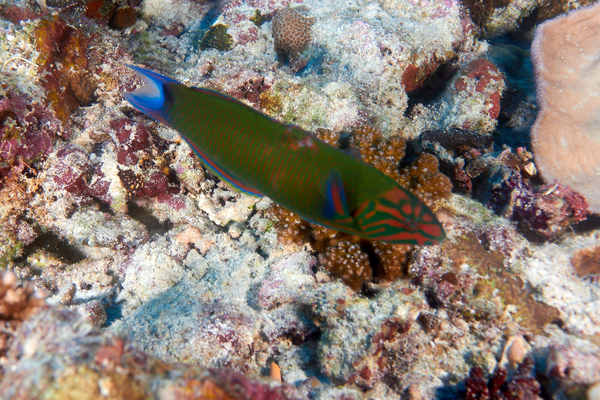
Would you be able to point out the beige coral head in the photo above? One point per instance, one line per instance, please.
(18, 302)
(566, 133)
(292, 30)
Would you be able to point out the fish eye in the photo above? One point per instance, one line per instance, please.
(411, 224)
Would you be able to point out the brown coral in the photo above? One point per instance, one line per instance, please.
(79, 88)
(425, 180)
(383, 154)
(290, 228)
(62, 51)
(17, 302)
(347, 261)
(587, 261)
(123, 18)
(392, 259)
(292, 31)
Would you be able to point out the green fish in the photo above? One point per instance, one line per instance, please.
(258, 155)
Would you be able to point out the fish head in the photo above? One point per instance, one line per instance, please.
(398, 216)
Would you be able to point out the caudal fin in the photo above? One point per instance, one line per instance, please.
(150, 98)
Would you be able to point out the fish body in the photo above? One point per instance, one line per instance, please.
(261, 156)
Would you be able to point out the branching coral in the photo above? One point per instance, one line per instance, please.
(348, 262)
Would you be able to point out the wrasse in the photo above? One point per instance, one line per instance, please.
(258, 155)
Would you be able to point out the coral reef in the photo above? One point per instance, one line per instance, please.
(476, 91)
(217, 38)
(158, 276)
(123, 18)
(62, 63)
(351, 258)
(23, 145)
(546, 211)
(565, 132)
(481, 298)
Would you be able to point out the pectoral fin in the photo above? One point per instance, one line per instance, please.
(336, 207)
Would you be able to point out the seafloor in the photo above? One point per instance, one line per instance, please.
(129, 271)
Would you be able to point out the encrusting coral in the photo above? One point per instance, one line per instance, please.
(566, 133)
(292, 32)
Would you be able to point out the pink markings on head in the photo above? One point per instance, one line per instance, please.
(396, 195)
(407, 209)
(427, 218)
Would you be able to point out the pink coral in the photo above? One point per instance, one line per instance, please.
(566, 134)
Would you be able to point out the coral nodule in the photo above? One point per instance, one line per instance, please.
(292, 32)
(566, 133)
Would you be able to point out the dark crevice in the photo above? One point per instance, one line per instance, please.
(53, 244)
(433, 87)
(264, 255)
(144, 217)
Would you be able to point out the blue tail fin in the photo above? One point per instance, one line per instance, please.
(150, 98)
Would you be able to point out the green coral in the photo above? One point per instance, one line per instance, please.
(296, 104)
(217, 38)
(9, 252)
(258, 19)
(147, 52)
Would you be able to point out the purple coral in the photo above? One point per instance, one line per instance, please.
(545, 211)
(70, 170)
(26, 133)
(523, 384)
